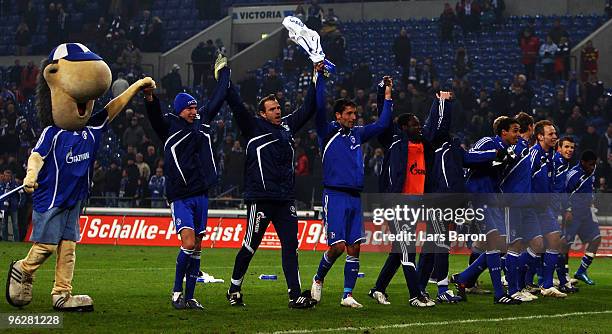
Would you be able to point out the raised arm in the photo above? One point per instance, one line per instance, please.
(155, 115)
(244, 119)
(437, 124)
(298, 118)
(210, 110)
(117, 104)
(384, 120)
(385, 138)
(323, 126)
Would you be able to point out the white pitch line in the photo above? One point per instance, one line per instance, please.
(438, 323)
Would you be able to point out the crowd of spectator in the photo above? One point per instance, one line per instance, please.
(580, 108)
(119, 23)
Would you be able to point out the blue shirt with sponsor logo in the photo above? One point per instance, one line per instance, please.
(342, 155)
(542, 169)
(68, 160)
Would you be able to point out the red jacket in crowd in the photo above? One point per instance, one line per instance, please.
(28, 78)
(530, 47)
(588, 57)
(302, 167)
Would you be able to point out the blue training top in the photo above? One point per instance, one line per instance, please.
(579, 188)
(341, 148)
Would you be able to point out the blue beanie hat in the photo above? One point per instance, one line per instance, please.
(182, 101)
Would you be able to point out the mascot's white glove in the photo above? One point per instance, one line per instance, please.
(146, 82)
(35, 163)
(117, 104)
(307, 38)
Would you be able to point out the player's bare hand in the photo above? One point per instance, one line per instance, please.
(444, 95)
(29, 183)
(318, 67)
(148, 93)
(388, 81)
(568, 216)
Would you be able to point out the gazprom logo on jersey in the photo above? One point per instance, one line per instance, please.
(76, 158)
(414, 170)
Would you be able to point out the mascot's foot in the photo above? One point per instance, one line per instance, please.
(68, 303)
(18, 286)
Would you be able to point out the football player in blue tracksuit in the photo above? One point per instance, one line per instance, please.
(270, 182)
(515, 184)
(543, 214)
(397, 140)
(450, 159)
(343, 172)
(485, 180)
(580, 213)
(561, 163)
(190, 171)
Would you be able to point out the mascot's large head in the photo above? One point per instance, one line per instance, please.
(70, 81)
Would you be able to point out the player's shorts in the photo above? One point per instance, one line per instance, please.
(56, 224)
(539, 223)
(493, 221)
(514, 225)
(584, 225)
(548, 221)
(191, 213)
(468, 229)
(342, 217)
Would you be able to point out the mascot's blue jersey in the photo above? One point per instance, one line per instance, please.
(68, 162)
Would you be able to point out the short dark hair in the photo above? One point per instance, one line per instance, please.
(503, 123)
(404, 118)
(524, 121)
(588, 155)
(262, 103)
(539, 126)
(496, 123)
(341, 104)
(565, 139)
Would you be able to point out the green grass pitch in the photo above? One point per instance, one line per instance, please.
(131, 290)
